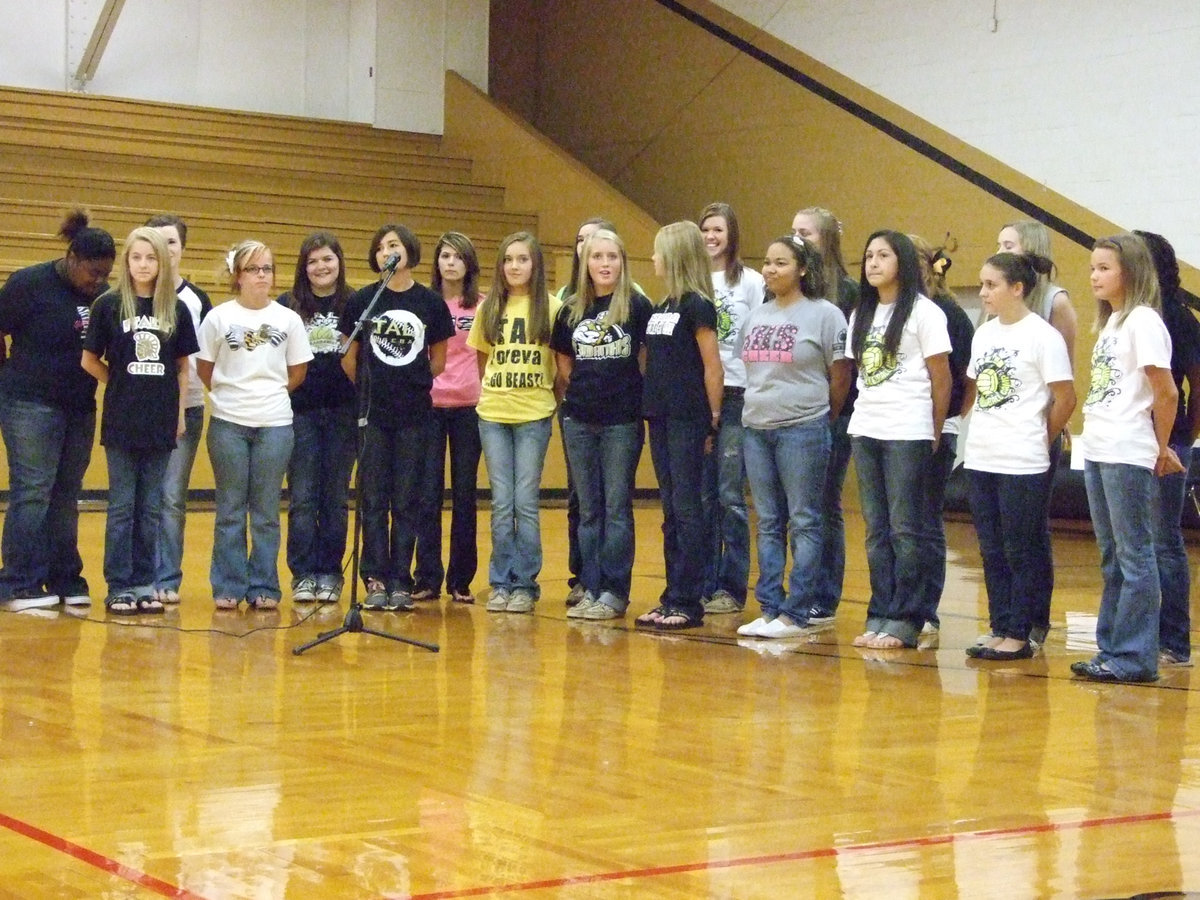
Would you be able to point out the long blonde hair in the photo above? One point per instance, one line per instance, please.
(1138, 277)
(584, 289)
(165, 298)
(685, 263)
(1035, 239)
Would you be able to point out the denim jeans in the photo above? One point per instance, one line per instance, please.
(134, 520)
(1124, 503)
(724, 504)
(1009, 513)
(318, 481)
(892, 478)
(827, 581)
(604, 460)
(940, 466)
(574, 556)
(514, 455)
(248, 468)
(391, 474)
(677, 450)
(48, 451)
(455, 430)
(175, 500)
(1174, 575)
(1041, 615)
(787, 478)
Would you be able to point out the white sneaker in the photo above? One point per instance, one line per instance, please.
(581, 606)
(777, 628)
(754, 629)
(31, 600)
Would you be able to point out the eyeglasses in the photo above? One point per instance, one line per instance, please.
(258, 270)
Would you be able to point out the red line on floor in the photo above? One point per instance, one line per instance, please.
(801, 855)
(92, 858)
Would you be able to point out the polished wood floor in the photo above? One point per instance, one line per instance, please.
(194, 756)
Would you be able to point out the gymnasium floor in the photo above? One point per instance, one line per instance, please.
(194, 756)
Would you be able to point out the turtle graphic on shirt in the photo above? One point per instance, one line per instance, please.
(1105, 373)
(995, 379)
(877, 364)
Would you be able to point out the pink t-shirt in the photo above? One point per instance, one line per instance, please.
(459, 383)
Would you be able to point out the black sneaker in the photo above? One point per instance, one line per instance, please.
(818, 616)
(31, 599)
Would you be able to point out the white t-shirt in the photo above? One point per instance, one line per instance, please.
(1013, 367)
(733, 305)
(1117, 425)
(895, 395)
(250, 350)
(195, 388)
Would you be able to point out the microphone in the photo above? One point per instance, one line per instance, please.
(389, 265)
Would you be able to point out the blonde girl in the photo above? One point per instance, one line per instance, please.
(681, 398)
(511, 337)
(1127, 420)
(138, 341)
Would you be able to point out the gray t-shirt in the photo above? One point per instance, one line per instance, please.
(787, 352)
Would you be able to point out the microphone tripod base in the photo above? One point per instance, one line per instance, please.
(353, 624)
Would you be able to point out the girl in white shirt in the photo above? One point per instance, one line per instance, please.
(1127, 419)
(898, 339)
(1019, 395)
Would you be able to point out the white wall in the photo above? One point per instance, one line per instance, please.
(1097, 99)
(376, 61)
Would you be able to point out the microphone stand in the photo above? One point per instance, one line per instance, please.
(353, 623)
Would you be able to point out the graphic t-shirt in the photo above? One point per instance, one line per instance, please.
(46, 319)
(518, 379)
(674, 384)
(459, 383)
(734, 303)
(1117, 424)
(606, 383)
(394, 376)
(325, 386)
(250, 350)
(895, 397)
(141, 399)
(1013, 367)
(787, 351)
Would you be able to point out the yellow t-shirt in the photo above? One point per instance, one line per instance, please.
(518, 381)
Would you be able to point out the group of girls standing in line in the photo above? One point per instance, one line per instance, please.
(737, 378)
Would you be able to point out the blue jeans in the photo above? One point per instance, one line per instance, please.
(1124, 503)
(677, 450)
(604, 461)
(1174, 576)
(131, 529)
(48, 451)
(514, 455)
(724, 504)
(787, 478)
(390, 477)
(1009, 513)
(827, 580)
(248, 468)
(175, 500)
(1041, 615)
(892, 478)
(940, 466)
(318, 481)
(455, 430)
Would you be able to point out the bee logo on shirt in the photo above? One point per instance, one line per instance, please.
(877, 364)
(595, 338)
(1105, 373)
(995, 381)
(239, 337)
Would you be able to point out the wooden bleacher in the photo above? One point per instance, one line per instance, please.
(229, 175)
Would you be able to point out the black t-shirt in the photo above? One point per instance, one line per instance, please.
(1185, 353)
(141, 400)
(393, 362)
(326, 384)
(961, 331)
(606, 383)
(46, 318)
(674, 384)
